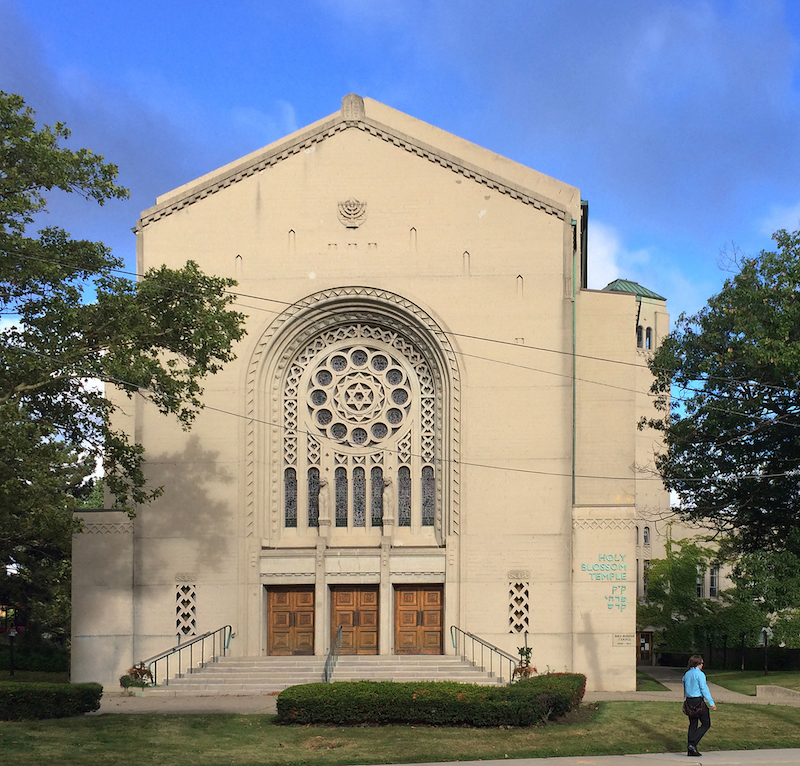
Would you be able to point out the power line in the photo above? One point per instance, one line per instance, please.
(567, 353)
(140, 389)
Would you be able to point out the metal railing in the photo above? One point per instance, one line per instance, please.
(333, 656)
(489, 658)
(190, 656)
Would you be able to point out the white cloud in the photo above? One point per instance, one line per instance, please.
(781, 217)
(608, 258)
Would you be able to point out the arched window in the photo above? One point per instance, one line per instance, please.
(360, 405)
(648, 338)
(646, 536)
(639, 337)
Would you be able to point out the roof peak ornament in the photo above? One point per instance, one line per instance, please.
(353, 107)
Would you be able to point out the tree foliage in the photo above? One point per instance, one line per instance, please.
(686, 622)
(69, 320)
(768, 578)
(727, 382)
(671, 602)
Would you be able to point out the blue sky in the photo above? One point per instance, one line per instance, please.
(679, 120)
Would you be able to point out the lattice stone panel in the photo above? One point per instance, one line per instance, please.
(518, 607)
(186, 609)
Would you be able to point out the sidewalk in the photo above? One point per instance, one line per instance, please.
(731, 758)
(671, 678)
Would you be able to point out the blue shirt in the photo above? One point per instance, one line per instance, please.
(694, 685)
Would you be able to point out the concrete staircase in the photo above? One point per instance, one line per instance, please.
(265, 675)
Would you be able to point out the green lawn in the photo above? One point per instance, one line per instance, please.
(745, 682)
(212, 740)
(645, 683)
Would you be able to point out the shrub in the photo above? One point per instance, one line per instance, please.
(525, 703)
(27, 701)
(138, 676)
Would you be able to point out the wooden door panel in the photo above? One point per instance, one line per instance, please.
(418, 619)
(355, 608)
(290, 620)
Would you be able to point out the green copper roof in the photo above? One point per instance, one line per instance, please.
(626, 286)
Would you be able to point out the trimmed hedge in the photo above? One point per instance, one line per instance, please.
(437, 703)
(27, 701)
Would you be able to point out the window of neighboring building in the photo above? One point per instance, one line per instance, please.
(645, 576)
(646, 536)
(701, 582)
(639, 337)
(713, 582)
(637, 534)
(648, 338)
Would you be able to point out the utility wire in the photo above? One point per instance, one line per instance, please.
(140, 389)
(238, 295)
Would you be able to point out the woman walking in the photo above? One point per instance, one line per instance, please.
(695, 690)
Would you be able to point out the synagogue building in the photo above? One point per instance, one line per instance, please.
(431, 421)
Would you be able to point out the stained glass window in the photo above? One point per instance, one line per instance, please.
(404, 496)
(359, 497)
(341, 497)
(313, 497)
(428, 497)
(376, 490)
(290, 497)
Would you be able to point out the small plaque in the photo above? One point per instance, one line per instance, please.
(185, 576)
(622, 639)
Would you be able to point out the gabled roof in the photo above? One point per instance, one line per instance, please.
(405, 132)
(628, 286)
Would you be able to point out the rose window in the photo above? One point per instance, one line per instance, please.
(359, 396)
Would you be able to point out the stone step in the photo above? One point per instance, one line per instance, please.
(265, 675)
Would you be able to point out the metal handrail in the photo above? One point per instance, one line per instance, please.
(496, 656)
(221, 636)
(333, 656)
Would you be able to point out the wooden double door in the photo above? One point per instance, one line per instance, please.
(290, 620)
(355, 608)
(418, 619)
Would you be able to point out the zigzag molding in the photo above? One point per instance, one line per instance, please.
(374, 128)
(602, 524)
(114, 528)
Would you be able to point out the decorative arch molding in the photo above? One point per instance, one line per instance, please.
(302, 324)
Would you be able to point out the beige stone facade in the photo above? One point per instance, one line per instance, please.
(431, 421)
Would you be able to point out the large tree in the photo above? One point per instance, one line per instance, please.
(70, 318)
(727, 383)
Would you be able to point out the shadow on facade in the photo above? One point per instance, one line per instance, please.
(199, 505)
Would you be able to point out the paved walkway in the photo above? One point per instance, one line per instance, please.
(671, 678)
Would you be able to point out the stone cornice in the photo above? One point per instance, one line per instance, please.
(329, 128)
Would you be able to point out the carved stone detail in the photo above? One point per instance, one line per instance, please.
(353, 107)
(352, 213)
(115, 528)
(602, 524)
(383, 132)
(307, 319)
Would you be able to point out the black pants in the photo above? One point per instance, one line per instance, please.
(699, 726)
